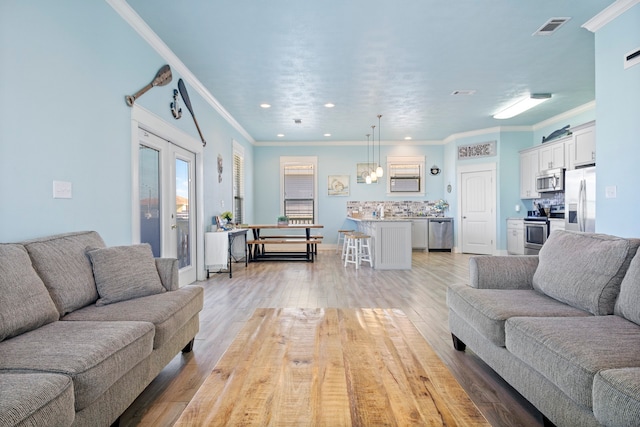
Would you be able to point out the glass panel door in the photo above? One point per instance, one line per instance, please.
(167, 202)
(149, 198)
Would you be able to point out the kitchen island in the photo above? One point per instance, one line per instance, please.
(390, 241)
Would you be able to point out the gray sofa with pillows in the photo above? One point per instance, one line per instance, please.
(85, 328)
(562, 327)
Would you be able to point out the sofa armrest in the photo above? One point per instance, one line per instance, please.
(502, 272)
(168, 272)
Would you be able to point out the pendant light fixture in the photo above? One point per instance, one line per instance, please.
(367, 175)
(379, 170)
(372, 172)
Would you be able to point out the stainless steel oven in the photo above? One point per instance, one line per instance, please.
(536, 231)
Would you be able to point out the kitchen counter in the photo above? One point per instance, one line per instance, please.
(390, 241)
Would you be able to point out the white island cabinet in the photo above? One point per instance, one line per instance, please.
(390, 241)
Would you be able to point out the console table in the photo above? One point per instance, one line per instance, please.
(218, 248)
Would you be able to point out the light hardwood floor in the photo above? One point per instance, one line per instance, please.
(420, 293)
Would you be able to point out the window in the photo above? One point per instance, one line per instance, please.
(405, 176)
(299, 189)
(238, 183)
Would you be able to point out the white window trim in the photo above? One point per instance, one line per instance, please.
(238, 150)
(299, 160)
(407, 160)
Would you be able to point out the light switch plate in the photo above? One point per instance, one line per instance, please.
(610, 192)
(62, 190)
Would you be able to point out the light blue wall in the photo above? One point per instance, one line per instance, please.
(618, 126)
(336, 160)
(66, 67)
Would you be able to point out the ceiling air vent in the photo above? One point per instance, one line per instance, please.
(632, 58)
(463, 92)
(550, 26)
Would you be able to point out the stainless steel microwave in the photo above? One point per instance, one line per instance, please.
(550, 180)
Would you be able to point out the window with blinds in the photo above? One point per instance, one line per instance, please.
(238, 188)
(299, 191)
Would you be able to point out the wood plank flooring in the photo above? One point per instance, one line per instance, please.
(420, 293)
(330, 367)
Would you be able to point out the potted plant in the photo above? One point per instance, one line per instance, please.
(283, 220)
(226, 215)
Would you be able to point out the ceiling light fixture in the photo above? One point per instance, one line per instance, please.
(522, 105)
(329, 105)
(379, 170)
(280, 135)
(372, 171)
(265, 105)
(367, 175)
(407, 138)
(327, 134)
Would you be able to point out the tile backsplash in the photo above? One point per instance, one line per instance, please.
(395, 208)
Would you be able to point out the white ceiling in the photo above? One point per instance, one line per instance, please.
(402, 59)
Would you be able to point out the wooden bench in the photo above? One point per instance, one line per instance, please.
(295, 236)
(257, 251)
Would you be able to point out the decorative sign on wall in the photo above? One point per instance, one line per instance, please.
(482, 149)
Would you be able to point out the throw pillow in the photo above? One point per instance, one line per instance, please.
(584, 270)
(25, 303)
(124, 272)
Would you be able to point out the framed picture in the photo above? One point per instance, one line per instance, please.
(362, 170)
(338, 185)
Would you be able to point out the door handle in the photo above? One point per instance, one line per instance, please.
(173, 226)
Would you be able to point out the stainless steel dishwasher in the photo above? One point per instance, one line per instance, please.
(440, 234)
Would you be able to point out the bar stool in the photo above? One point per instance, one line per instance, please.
(358, 249)
(341, 234)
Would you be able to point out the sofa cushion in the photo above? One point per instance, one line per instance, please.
(488, 309)
(125, 272)
(628, 303)
(62, 263)
(94, 354)
(569, 351)
(167, 311)
(584, 269)
(616, 397)
(36, 399)
(25, 303)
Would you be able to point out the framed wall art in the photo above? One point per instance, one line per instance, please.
(362, 170)
(338, 185)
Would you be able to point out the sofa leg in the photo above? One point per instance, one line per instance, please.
(189, 347)
(458, 344)
(546, 422)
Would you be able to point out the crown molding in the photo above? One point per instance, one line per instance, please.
(132, 18)
(609, 14)
(566, 115)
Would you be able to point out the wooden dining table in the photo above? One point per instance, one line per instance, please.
(257, 251)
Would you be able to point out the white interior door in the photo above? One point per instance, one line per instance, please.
(477, 208)
(166, 176)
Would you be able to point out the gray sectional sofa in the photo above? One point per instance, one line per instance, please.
(85, 328)
(562, 327)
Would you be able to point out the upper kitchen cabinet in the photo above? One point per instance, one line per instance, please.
(584, 145)
(529, 168)
(551, 155)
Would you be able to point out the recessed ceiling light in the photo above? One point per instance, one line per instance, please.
(297, 121)
(280, 135)
(329, 105)
(408, 138)
(327, 134)
(265, 105)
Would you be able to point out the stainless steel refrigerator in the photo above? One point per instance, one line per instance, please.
(580, 199)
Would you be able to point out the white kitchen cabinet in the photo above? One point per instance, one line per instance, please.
(555, 224)
(551, 155)
(419, 234)
(515, 236)
(529, 167)
(584, 141)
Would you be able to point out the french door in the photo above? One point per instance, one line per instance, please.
(166, 179)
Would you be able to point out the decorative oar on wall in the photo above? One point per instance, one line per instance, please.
(187, 102)
(163, 77)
